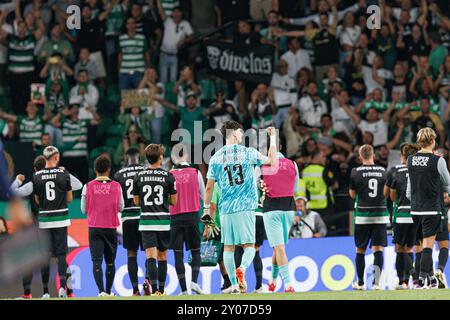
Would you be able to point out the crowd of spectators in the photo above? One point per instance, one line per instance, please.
(337, 83)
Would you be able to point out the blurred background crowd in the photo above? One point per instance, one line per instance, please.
(337, 83)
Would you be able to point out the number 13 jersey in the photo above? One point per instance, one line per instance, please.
(51, 185)
(154, 188)
(370, 205)
(233, 169)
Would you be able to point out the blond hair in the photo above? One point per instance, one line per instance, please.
(425, 137)
(366, 152)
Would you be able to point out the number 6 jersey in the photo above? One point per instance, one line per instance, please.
(51, 185)
(370, 205)
(154, 188)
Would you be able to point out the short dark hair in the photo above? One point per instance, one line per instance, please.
(102, 164)
(436, 37)
(83, 70)
(39, 163)
(153, 152)
(132, 152)
(228, 126)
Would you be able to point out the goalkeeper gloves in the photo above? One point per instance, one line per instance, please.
(206, 217)
(212, 230)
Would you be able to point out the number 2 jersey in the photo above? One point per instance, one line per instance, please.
(233, 169)
(370, 205)
(125, 177)
(154, 188)
(51, 185)
(397, 179)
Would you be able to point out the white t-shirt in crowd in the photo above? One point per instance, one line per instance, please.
(284, 89)
(370, 83)
(296, 61)
(379, 129)
(348, 36)
(311, 111)
(173, 34)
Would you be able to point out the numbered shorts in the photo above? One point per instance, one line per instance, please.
(374, 233)
(404, 234)
(238, 227)
(277, 225)
(427, 225)
(260, 234)
(132, 238)
(158, 239)
(58, 240)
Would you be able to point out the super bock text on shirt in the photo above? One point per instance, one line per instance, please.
(125, 177)
(154, 187)
(51, 187)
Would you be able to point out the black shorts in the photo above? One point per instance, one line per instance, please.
(427, 225)
(103, 243)
(260, 234)
(57, 239)
(184, 230)
(132, 238)
(404, 234)
(443, 234)
(158, 239)
(375, 233)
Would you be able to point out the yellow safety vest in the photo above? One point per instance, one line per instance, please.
(313, 186)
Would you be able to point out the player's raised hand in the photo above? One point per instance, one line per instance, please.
(20, 177)
(271, 131)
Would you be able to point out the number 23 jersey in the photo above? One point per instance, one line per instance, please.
(370, 205)
(154, 188)
(233, 169)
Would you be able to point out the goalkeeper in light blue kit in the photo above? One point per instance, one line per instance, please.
(232, 168)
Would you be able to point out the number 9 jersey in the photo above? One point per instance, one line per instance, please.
(370, 205)
(51, 186)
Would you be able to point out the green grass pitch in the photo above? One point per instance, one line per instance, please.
(439, 294)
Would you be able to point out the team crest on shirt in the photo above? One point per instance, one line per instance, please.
(420, 161)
